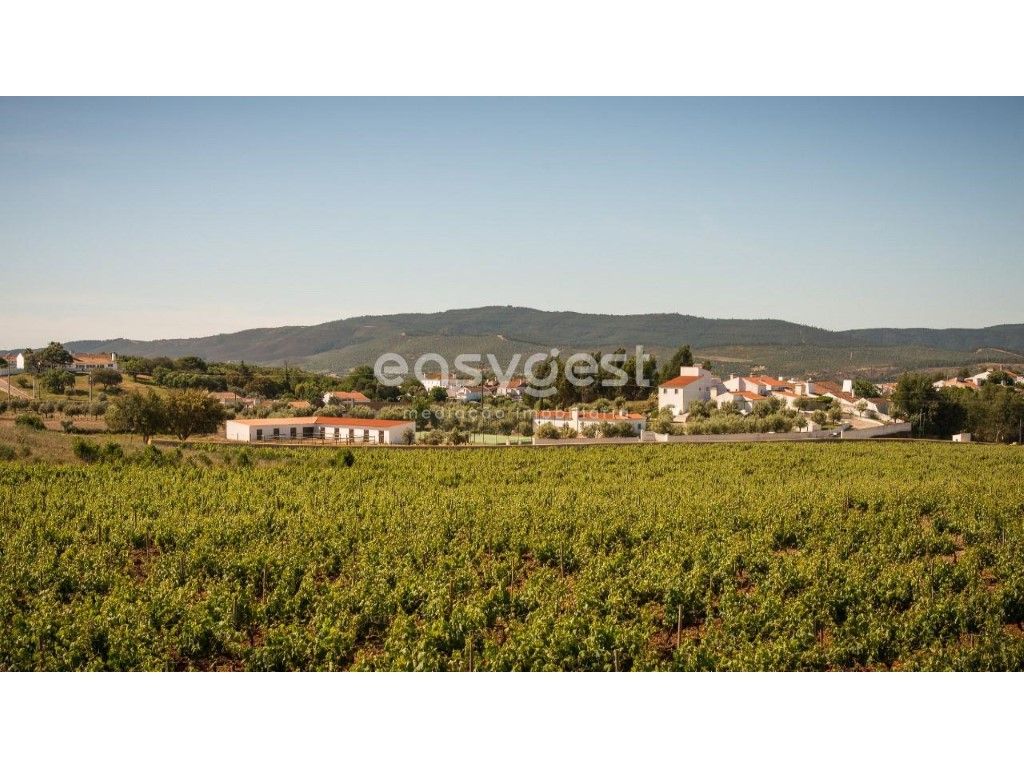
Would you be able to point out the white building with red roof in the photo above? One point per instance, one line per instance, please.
(327, 428)
(345, 398)
(578, 419)
(743, 400)
(759, 384)
(692, 384)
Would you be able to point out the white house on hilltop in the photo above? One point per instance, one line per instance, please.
(692, 384)
(80, 363)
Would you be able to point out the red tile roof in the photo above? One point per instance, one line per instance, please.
(679, 381)
(356, 397)
(750, 395)
(766, 381)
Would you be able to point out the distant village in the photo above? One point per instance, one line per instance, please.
(696, 402)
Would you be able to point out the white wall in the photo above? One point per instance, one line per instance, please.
(235, 430)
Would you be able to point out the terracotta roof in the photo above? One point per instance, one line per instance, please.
(827, 386)
(750, 395)
(766, 381)
(357, 397)
(320, 421)
(679, 381)
(588, 416)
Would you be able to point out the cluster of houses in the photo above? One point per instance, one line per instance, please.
(464, 391)
(973, 382)
(696, 384)
(80, 363)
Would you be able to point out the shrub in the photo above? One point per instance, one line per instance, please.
(457, 437)
(433, 437)
(344, 458)
(29, 420)
(113, 451)
(622, 429)
(547, 431)
(7, 453)
(68, 426)
(85, 450)
(150, 456)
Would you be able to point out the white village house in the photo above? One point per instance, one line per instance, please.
(578, 420)
(345, 398)
(231, 398)
(80, 363)
(762, 385)
(692, 384)
(742, 399)
(340, 429)
(512, 388)
(980, 378)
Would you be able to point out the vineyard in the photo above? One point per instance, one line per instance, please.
(714, 557)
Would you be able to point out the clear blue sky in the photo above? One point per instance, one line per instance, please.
(154, 218)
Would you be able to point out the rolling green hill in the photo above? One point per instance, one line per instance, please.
(783, 347)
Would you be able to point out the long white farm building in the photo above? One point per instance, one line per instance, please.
(339, 429)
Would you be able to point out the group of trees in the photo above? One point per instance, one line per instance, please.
(603, 385)
(182, 413)
(994, 412)
(265, 382)
(50, 365)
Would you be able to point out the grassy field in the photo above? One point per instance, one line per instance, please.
(674, 557)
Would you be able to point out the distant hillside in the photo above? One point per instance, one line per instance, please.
(786, 347)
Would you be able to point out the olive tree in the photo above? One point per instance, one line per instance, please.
(141, 414)
(192, 412)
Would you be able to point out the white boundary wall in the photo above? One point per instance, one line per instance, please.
(885, 430)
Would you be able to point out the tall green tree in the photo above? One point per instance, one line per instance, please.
(53, 355)
(930, 411)
(192, 412)
(683, 356)
(864, 388)
(57, 380)
(140, 413)
(106, 377)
